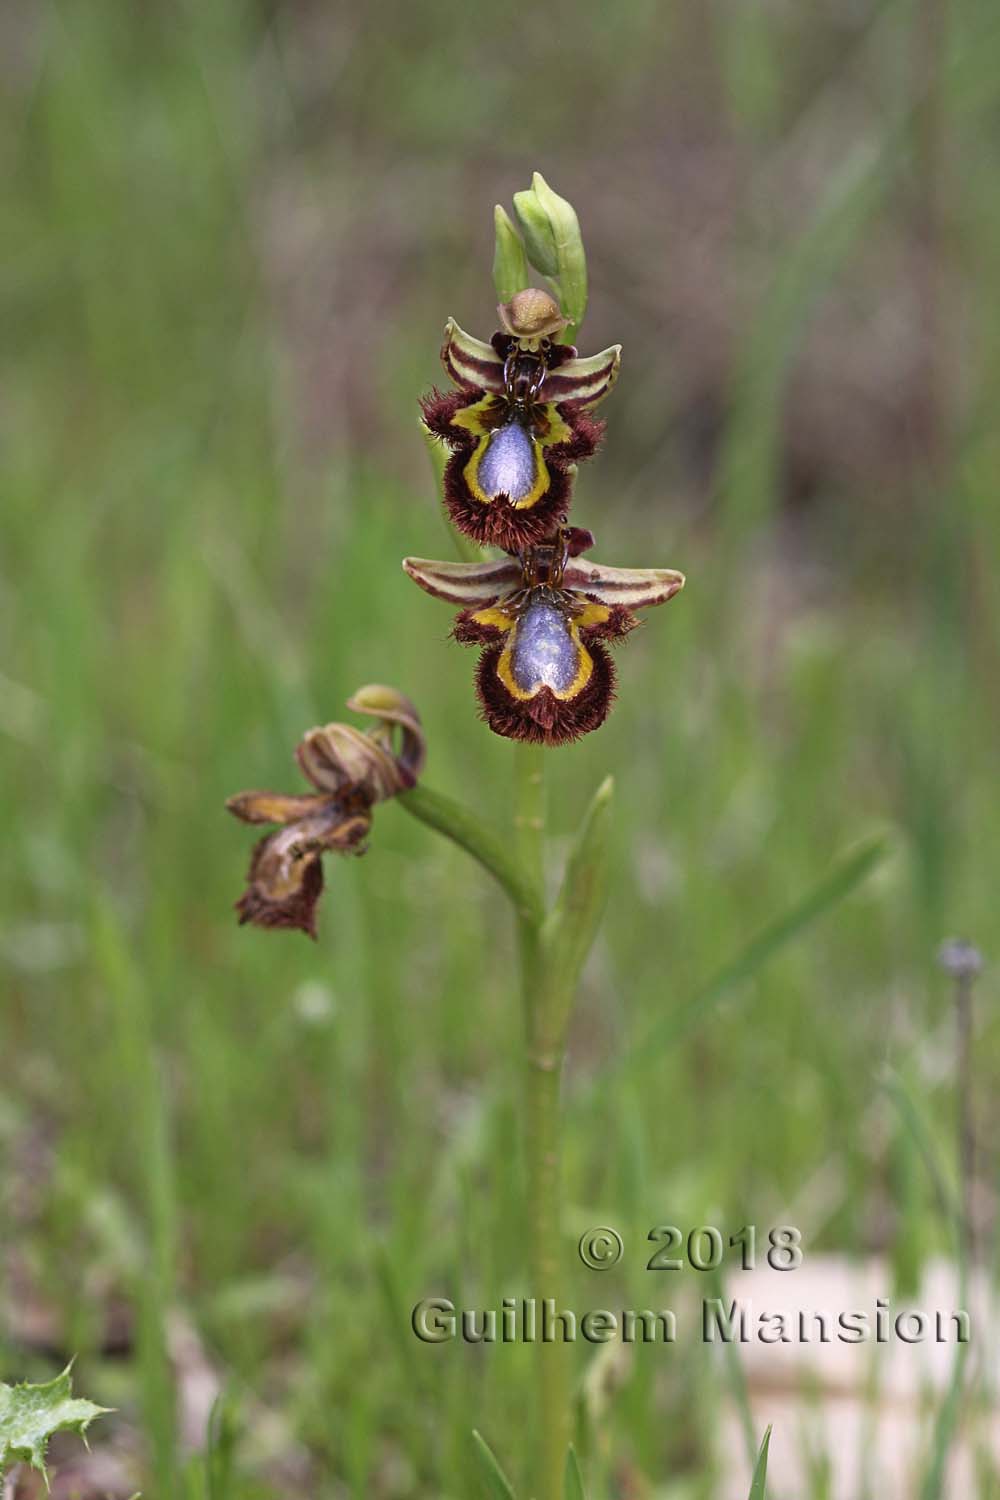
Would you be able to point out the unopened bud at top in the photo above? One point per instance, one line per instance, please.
(536, 226)
(554, 245)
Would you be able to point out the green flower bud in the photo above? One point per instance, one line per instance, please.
(510, 264)
(555, 246)
(537, 232)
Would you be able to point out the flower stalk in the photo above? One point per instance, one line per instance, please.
(505, 443)
(542, 1137)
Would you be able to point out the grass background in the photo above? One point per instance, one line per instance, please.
(232, 235)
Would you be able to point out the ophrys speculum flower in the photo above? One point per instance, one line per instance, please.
(541, 617)
(351, 770)
(518, 422)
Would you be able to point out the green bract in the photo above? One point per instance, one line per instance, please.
(510, 264)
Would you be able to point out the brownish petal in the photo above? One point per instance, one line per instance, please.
(361, 767)
(285, 878)
(336, 758)
(295, 908)
(635, 588)
(274, 807)
(397, 715)
(471, 585)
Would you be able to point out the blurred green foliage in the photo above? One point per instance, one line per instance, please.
(232, 235)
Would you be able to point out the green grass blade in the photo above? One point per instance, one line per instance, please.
(845, 877)
(736, 1379)
(945, 1427)
(572, 926)
(220, 1456)
(573, 1482)
(758, 1484)
(913, 1120)
(946, 1421)
(497, 1483)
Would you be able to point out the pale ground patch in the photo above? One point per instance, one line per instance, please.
(865, 1413)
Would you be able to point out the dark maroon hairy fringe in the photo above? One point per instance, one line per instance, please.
(499, 524)
(470, 633)
(618, 624)
(587, 435)
(297, 910)
(438, 407)
(545, 719)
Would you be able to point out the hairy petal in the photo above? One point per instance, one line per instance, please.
(439, 408)
(585, 435)
(544, 718)
(470, 585)
(480, 626)
(605, 622)
(501, 524)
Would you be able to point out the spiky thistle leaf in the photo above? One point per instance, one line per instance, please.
(30, 1414)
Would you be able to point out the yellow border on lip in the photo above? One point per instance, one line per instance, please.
(591, 614)
(493, 615)
(584, 670)
(538, 489)
(470, 418)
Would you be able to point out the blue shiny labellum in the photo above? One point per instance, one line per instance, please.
(543, 653)
(507, 466)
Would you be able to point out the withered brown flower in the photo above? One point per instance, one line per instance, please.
(351, 770)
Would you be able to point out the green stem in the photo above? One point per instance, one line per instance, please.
(543, 1065)
(529, 830)
(547, 994)
(474, 836)
(529, 808)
